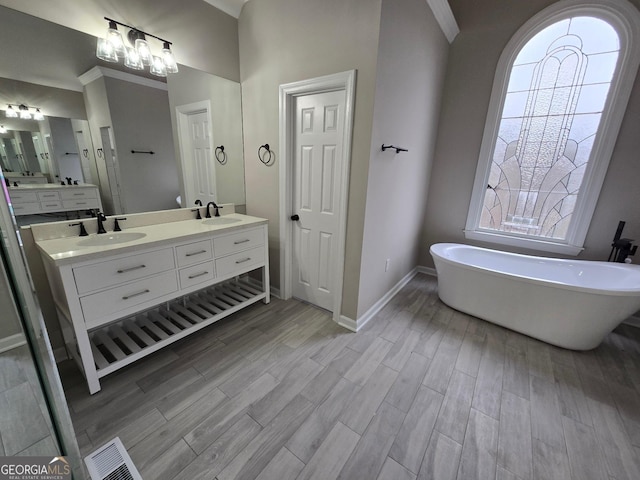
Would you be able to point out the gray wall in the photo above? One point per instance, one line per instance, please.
(190, 85)
(412, 56)
(283, 41)
(486, 27)
(141, 121)
(95, 95)
(64, 142)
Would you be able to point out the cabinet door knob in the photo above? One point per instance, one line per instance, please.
(295, 217)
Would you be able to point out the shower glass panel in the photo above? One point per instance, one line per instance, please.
(34, 417)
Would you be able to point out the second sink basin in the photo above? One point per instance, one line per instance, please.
(110, 239)
(220, 221)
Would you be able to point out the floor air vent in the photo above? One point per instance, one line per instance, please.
(111, 462)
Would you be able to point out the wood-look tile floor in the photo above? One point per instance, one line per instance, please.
(25, 425)
(281, 392)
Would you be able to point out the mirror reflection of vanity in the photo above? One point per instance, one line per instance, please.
(117, 118)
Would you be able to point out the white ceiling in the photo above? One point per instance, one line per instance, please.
(232, 7)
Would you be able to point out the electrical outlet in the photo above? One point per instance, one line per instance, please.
(387, 264)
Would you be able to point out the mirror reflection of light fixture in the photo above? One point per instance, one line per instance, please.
(105, 51)
(132, 59)
(158, 67)
(23, 111)
(111, 48)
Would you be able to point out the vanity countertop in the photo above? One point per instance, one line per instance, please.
(48, 186)
(66, 250)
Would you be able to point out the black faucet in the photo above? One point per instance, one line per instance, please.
(217, 213)
(83, 231)
(116, 225)
(621, 248)
(100, 217)
(199, 203)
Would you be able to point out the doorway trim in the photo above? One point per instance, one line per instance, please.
(182, 121)
(288, 92)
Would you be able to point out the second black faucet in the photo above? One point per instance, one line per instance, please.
(216, 207)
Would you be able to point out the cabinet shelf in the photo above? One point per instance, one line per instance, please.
(119, 344)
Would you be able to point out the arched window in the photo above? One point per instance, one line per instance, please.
(560, 91)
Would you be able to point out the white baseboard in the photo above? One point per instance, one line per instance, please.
(14, 341)
(427, 271)
(633, 321)
(348, 323)
(356, 325)
(60, 354)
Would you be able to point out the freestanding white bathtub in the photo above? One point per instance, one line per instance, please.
(569, 303)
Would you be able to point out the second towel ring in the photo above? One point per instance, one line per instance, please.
(265, 155)
(221, 155)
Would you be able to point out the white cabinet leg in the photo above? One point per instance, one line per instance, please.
(88, 362)
(265, 283)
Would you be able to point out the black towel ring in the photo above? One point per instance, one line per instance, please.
(266, 156)
(221, 155)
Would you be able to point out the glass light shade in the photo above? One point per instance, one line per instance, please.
(105, 51)
(132, 59)
(169, 60)
(24, 113)
(38, 115)
(10, 112)
(144, 51)
(115, 39)
(158, 67)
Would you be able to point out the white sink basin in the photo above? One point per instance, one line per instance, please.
(220, 221)
(110, 239)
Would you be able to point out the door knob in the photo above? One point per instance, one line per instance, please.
(295, 217)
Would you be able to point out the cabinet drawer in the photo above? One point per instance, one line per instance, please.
(239, 262)
(196, 274)
(80, 204)
(194, 253)
(25, 208)
(48, 196)
(104, 304)
(78, 194)
(113, 272)
(23, 197)
(238, 241)
(51, 205)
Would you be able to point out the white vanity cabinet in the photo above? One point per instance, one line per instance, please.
(119, 306)
(48, 198)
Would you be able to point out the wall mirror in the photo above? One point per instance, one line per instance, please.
(47, 75)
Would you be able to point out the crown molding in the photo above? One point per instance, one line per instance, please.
(97, 72)
(444, 16)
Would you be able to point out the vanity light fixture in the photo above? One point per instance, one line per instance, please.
(23, 111)
(25, 114)
(139, 55)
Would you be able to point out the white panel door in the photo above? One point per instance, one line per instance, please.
(316, 195)
(200, 166)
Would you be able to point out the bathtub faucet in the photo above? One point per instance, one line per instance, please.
(621, 248)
